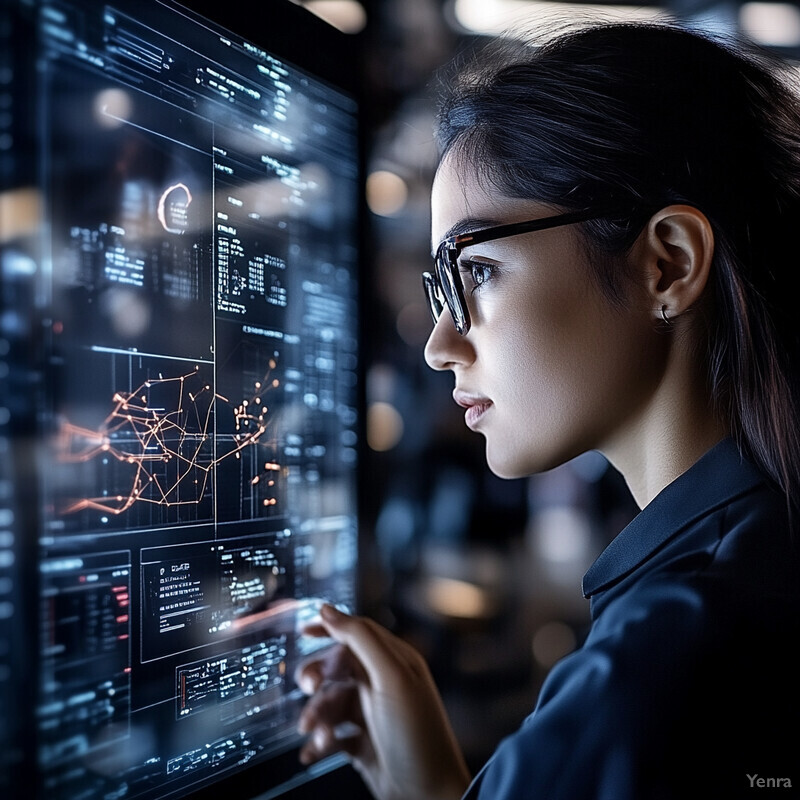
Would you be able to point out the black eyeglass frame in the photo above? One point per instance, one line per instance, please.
(445, 288)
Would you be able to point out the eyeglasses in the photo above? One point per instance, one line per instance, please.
(445, 288)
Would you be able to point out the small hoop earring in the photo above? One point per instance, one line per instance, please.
(664, 316)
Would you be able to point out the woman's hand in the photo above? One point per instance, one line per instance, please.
(373, 697)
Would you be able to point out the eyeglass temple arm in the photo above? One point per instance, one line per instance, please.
(500, 231)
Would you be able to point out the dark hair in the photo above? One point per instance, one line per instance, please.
(646, 115)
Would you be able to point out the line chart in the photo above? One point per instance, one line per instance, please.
(168, 436)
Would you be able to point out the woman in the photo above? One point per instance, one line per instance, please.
(614, 222)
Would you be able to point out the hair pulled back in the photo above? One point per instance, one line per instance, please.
(640, 116)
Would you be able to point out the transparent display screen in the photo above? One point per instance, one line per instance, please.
(179, 341)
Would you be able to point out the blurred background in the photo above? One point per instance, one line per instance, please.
(482, 574)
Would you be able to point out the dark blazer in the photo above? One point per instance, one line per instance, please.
(686, 685)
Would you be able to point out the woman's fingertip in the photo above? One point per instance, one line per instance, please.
(319, 738)
(330, 613)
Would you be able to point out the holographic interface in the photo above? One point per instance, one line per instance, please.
(179, 357)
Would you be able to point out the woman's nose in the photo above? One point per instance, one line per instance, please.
(446, 347)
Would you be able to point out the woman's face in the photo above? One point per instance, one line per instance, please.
(550, 368)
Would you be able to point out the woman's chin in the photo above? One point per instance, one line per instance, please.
(512, 463)
(504, 466)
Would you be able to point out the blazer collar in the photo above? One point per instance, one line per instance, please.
(715, 479)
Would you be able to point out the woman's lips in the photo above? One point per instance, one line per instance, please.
(474, 413)
(475, 406)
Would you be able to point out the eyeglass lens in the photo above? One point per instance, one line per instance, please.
(434, 295)
(450, 282)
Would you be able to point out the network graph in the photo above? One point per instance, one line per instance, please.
(162, 445)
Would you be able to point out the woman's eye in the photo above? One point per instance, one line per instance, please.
(476, 273)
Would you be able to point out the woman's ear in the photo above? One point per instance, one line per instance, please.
(673, 254)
